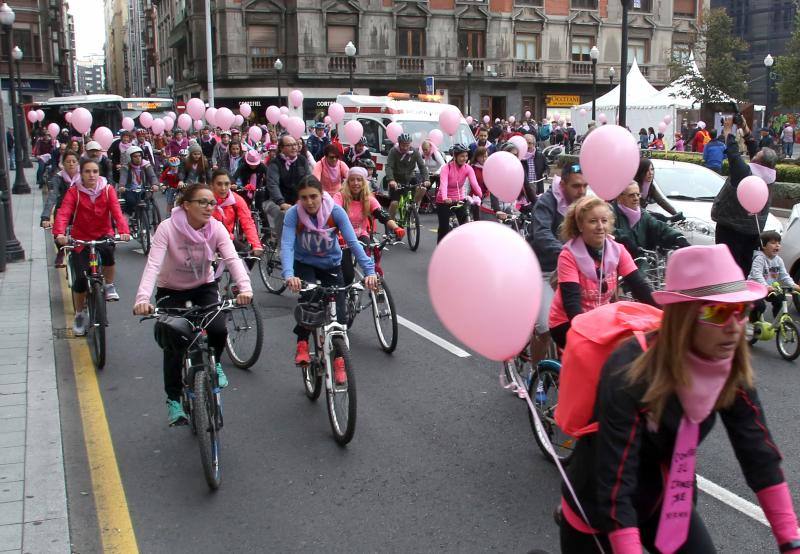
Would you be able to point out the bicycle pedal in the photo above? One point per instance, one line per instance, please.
(180, 423)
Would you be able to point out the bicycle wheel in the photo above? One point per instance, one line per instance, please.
(385, 317)
(787, 340)
(353, 305)
(245, 336)
(269, 269)
(312, 373)
(412, 229)
(144, 230)
(154, 214)
(69, 276)
(543, 392)
(207, 432)
(96, 331)
(342, 398)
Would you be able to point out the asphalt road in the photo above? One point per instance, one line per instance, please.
(443, 459)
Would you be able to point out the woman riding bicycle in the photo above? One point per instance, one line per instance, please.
(330, 170)
(635, 477)
(135, 177)
(89, 207)
(362, 208)
(644, 177)
(589, 266)
(232, 209)
(310, 252)
(179, 267)
(59, 185)
(232, 159)
(195, 168)
(452, 182)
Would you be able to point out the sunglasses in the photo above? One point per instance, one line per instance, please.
(719, 314)
(203, 203)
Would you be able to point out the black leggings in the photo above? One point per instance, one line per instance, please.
(443, 212)
(79, 264)
(697, 542)
(559, 334)
(740, 245)
(327, 277)
(217, 330)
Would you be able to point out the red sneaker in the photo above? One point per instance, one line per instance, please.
(302, 357)
(339, 374)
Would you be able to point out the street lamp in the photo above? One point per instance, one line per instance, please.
(594, 53)
(611, 74)
(350, 50)
(768, 61)
(147, 90)
(623, 76)
(23, 127)
(20, 184)
(11, 246)
(278, 66)
(171, 87)
(468, 69)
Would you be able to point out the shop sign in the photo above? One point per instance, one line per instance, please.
(562, 100)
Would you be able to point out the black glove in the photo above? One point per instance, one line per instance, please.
(677, 217)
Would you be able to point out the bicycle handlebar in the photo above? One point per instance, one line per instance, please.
(222, 305)
(327, 289)
(77, 242)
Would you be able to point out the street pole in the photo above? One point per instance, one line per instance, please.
(350, 51)
(26, 159)
(623, 77)
(278, 66)
(20, 183)
(209, 59)
(768, 61)
(594, 89)
(469, 93)
(10, 249)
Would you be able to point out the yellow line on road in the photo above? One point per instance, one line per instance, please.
(116, 529)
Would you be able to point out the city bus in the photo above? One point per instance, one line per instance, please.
(107, 109)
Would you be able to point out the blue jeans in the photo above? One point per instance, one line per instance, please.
(12, 159)
(40, 173)
(788, 149)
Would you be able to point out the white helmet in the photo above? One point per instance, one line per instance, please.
(133, 150)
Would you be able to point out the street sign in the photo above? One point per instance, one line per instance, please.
(562, 100)
(180, 107)
(430, 86)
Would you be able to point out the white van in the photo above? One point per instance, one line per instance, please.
(418, 119)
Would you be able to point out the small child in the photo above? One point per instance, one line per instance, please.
(679, 145)
(170, 179)
(767, 269)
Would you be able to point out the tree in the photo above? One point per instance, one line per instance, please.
(724, 74)
(788, 68)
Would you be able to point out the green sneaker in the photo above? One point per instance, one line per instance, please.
(223, 380)
(175, 413)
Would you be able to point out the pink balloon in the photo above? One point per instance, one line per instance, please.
(157, 127)
(486, 119)
(503, 175)
(436, 137)
(336, 111)
(394, 130)
(82, 120)
(146, 119)
(173, 116)
(470, 120)
(667, 119)
(68, 117)
(296, 98)
(753, 194)
(449, 120)
(128, 124)
(602, 118)
(199, 125)
(169, 123)
(211, 116)
(527, 114)
(512, 119)
(238, 120)
(53, 129)
(662, 127)
(284, 110)
(283, 120)
(40, 115)
(582, 111)
(609, 160)
(296, 127)
(196, 108)
(480, 252)
(224, 118)
(327, 120)
(104, 137)
(273, 114)
(353, 131)
(255, 133)
(555, 116)
(521, 144)
(33, 117)
(185, 121)
(245, 109)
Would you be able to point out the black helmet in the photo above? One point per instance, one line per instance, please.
(174, 333)
(366, 162)
(310, 315)
(458, 148)
(405, 137)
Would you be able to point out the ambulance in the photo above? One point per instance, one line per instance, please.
(417, 117)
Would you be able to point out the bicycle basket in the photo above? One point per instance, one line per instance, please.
(310, 314)
(173, 333)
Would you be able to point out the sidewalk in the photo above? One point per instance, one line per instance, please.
(33, 500)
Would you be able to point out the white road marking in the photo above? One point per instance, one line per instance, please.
(733, 500)
(439, 341)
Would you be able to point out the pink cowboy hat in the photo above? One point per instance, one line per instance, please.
(252, 157)
(706, 274)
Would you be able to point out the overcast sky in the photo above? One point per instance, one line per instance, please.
(90, 35)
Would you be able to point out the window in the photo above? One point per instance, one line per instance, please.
(533, 3)
(471, 44)
(411, 42)
(527, 47)
(339, 36)
(584, 4)
(529, 105)
(642, 6)
(685, 7)
(26, 36)
(373, 132)
(263, 40)
(580, 49)
(681, 52)
(638, 49)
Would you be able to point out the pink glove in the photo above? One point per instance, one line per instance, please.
(626, 541)
(776, 501)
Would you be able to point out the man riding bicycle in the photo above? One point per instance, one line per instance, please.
(400, 165)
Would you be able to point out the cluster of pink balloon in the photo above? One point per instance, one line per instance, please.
(664, 124)
(35, 115)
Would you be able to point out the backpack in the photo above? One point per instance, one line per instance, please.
(706, 137)
(591, 339)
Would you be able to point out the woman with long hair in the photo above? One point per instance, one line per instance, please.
(195, 168)
(644, 177)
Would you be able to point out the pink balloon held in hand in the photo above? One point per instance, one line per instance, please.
(196, 108)
(436, 137)
(449, 120)
(82, 120)
(296, 98)
(33, 117)
(353, 131)
(283, 120)
(185, 121)
(609, 159)
(394, 130)
(157, 127)
(104, 137)
(503, 175)
(521, 144)
(336, 111)
(53, 129)
(128, 123)
(169, 123)
(273, 114)
(662, 127)
(486, 119)
(497, 323)
(753, 194)
(296, 127)
(255, 133)
(245, 110)
(146, 119)
(198, 124)
(602, 118)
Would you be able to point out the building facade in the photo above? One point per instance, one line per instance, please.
(91, 75)
(525, 54)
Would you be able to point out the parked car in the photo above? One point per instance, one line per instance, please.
(790, 248)
(691, 189)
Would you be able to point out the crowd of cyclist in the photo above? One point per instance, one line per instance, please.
(318, 198)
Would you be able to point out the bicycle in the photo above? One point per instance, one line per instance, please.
(95, 297)
(145, 220)
(408, 216)
(384, 315)
(200, 398)
(455, 208)
(318, 314)
(518, 222)
(270, 267)
(783, 329)
(245, 326)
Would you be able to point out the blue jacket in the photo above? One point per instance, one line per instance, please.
(713, 154)
(316, 145)
(317, 250)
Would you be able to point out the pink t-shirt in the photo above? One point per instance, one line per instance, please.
(568, 272)
(361, 225)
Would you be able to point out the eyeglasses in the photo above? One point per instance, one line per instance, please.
(290, 145)
(719, 314)
(203, 203)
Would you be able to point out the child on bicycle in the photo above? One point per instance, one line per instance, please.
(768, 268)
(170, 180)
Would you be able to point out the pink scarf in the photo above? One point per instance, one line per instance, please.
(233, 161)
(228, 201)
(586, 263)
(769, 175)
(322, 215)
(252, 181)
(633, 215)
(333, 174)
(96, 191)
(123, 146)
(561, 202)
(194, 237)
(287, 162)
(71, 180)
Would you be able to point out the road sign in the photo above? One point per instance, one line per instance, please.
(180, 107)
(430, 86)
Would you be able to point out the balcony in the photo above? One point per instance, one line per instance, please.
(477, 66)
(262, 63)
(341, 64)
(580, 68)
(411, 65)
(527, 68)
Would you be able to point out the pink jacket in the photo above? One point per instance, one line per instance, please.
(361, 225)
(327, 185)
(451, 182)
(171, 265)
